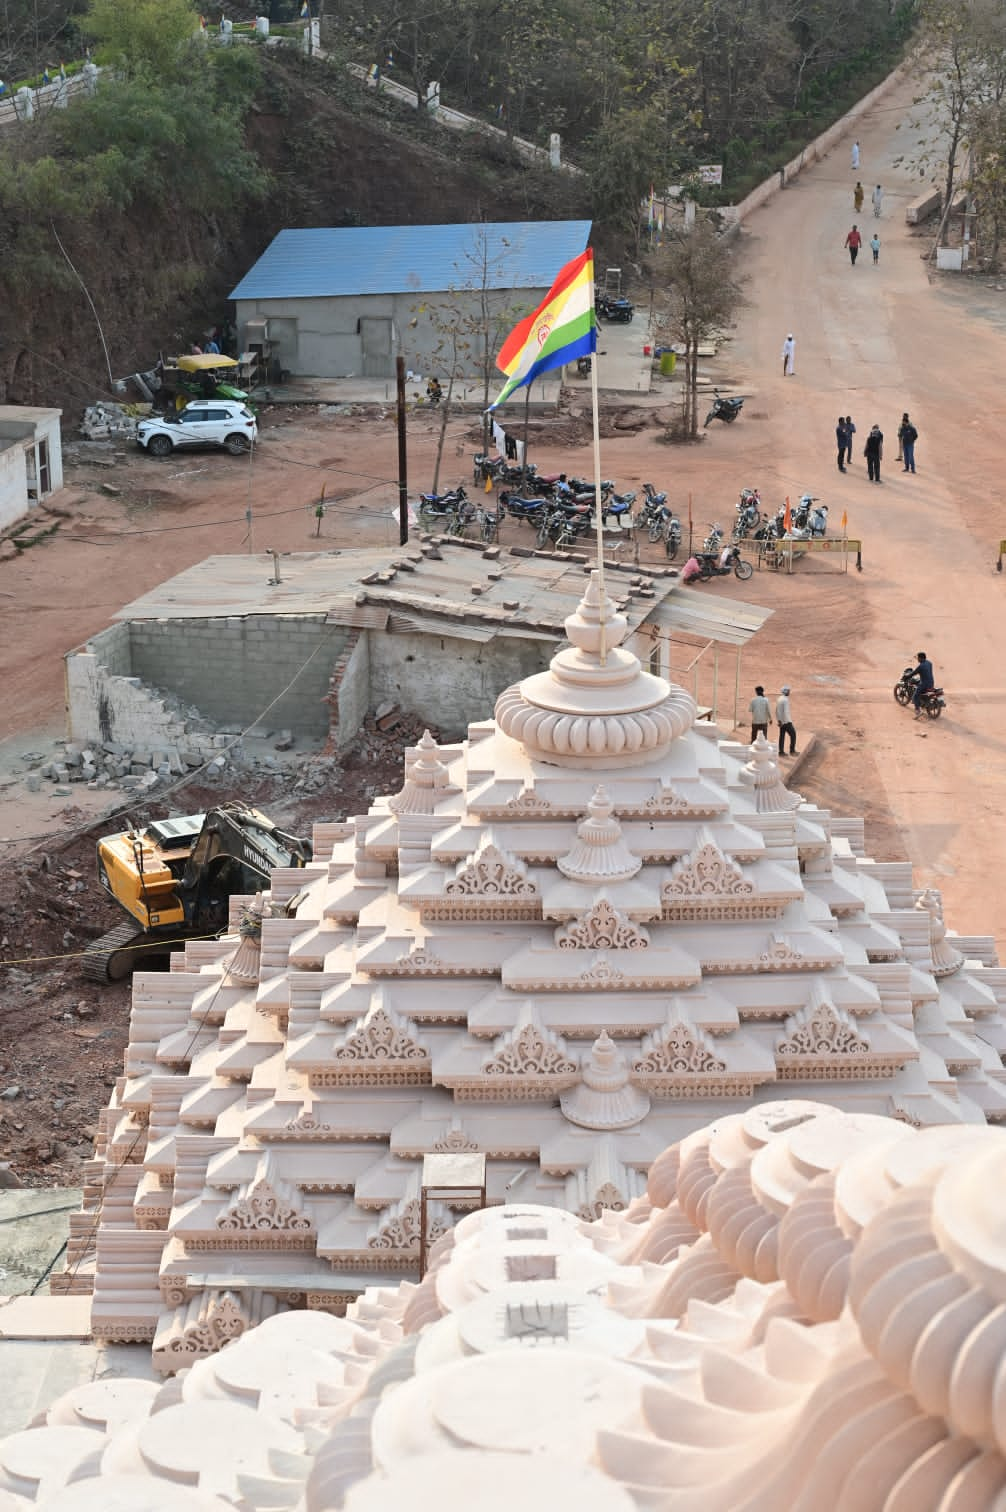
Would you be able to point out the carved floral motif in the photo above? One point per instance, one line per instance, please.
(381, 1035)
(455, 1140)
(491, 873)
(821, 1029)
(402, 1230)
(779, 953)
(261, 1210)
(680, 1048)
(607, 1196)
(601, 974)
(530, 1051)
(306, 1123)
(706, 873)
(527, 801)
(602, 927)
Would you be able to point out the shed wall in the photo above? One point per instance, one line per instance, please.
(322, 338)
(450, 682)
(232, 668)
(13, 483)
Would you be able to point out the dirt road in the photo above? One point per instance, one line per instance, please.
(871, 342)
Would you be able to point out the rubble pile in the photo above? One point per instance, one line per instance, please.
(105, 420)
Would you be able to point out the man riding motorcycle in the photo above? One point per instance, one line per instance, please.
(924, 679)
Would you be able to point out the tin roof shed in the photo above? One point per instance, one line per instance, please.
(326, 262)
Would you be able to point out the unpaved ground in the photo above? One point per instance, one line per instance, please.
(870, 341)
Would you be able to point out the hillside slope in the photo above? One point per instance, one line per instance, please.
(159, 272)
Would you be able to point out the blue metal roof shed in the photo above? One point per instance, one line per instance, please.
(329, 262)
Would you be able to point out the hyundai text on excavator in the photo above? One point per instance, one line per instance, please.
(174, 878)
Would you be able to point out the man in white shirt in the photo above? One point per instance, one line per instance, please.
(784, 719)
(788, 356)
(761, 714)
(878, 199)
(855, 157)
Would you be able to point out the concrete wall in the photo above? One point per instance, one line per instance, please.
(449, 682)
(351, 688)
(13, 483)
(321, 338)
(104, 706)
(819, 147)
(232, 668)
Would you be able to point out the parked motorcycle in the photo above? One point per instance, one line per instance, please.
(586, 486)
(484, 466)
(713, 541)
(583, 366)
(521, 509)
(616, 506)
(721, 564)
(561, 528)
(932, 702)
(615, 308)
(441, 508)
(652, 496)
(724, 409)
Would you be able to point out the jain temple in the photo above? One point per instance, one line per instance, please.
(710, 1099)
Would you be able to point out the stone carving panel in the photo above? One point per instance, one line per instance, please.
(819, 1030)
(530, 1051)
(492, 873)
(602, 927)
(680, 1048)
(262, 1210)
(381, 1036)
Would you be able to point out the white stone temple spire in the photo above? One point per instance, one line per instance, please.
(592, 709)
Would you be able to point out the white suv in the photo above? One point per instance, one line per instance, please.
(203, 422)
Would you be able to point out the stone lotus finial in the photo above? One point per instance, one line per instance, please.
(595, 706)
(603, 1098)
(599, 853)
(244, 965)
(427, 780)
(762, 773)
(945, 959)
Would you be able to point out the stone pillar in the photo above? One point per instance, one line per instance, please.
(689, 214)
(262, 26)
(554, 150)
(226, 31)
(24, 104)
(90, 72)
(433, 97)
(61, 99)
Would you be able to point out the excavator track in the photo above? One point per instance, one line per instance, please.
(116, 954)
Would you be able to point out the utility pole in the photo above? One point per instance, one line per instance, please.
(403, 481)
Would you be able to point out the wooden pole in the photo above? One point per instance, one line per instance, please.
(403, 471)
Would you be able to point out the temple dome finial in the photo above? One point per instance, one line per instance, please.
(595, 706)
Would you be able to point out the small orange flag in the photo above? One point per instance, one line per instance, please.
(845, 518)
(787, 519)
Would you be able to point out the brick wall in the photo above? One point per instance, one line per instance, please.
(232, 668)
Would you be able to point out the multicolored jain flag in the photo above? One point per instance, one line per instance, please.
(562, 328)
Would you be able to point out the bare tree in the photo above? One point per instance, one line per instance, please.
(703, 295)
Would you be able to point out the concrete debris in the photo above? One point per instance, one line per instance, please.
(9, 1094)
(104, 420)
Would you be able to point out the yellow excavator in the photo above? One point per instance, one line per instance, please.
(174, 878)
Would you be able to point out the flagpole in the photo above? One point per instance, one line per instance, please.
(598, 511)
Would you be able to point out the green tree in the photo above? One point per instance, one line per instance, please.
(702, 299)
(151, 37)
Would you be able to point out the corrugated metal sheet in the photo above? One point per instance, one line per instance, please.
(694, 613)
(326, 262)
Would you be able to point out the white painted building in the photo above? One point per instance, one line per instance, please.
(31, 458)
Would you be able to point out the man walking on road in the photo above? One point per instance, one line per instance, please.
(878, 199)
(784, 720)
(875, 248)
(855, 157)
(850, 431)
(788, 356)
(843, 439)
(858, 195)
(908, 435)
(761, 714)
(874, 452)
(854, 241)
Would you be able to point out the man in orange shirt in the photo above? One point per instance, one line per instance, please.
(853, 241)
